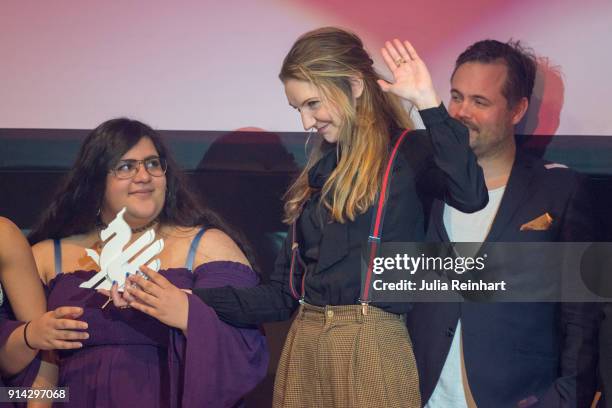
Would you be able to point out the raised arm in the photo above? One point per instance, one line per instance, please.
(446, 166)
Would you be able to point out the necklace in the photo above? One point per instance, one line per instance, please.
(145, 227)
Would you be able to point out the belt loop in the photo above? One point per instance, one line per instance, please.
(329, 314)
(364, 308)
(359, 316)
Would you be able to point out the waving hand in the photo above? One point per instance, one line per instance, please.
(411, 79)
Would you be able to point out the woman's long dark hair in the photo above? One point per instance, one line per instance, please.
(75, 206)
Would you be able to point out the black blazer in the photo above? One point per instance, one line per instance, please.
(513, 351)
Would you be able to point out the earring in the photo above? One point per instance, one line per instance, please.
(99, 223)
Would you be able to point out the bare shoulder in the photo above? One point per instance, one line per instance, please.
(72, 254)
(216, 245)
(43, 249)
(14, 247)
(8, 230)
(44, 256)
(13, 244)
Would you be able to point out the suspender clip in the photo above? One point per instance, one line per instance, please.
(364, 307)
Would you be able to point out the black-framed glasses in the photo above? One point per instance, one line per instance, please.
(127, 169)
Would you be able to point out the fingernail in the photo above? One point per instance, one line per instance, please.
(114, 282)
(127, 274)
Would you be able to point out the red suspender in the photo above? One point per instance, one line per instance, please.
(377, 223)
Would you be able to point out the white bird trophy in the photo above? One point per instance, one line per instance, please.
(116, 261)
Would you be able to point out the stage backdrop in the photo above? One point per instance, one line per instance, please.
(212, 65)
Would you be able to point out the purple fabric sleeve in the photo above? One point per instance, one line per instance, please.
(218, 363)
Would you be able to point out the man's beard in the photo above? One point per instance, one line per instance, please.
(473, 132)
(470, 126)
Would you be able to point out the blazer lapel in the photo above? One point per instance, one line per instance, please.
(516, 193)
(517, 190)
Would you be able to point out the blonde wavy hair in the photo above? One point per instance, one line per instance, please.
(330, 58)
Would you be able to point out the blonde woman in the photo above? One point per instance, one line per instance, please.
(341, 350)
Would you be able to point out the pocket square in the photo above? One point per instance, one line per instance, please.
(542, 223)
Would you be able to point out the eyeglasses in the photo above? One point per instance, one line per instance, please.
(127, 169)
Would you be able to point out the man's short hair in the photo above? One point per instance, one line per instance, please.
(519, 60)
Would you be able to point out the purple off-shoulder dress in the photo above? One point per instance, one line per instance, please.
(133, 360)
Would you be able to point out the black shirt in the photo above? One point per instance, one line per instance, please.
(432, 163)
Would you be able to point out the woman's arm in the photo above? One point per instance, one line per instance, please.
(269, 302)
(239, 306)
(448, 168)
(24, 291)
(55, 329)
(18, 273)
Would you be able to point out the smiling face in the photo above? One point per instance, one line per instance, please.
(314, 111)
(143, 195)
(477, 100)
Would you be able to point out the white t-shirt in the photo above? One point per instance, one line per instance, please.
(461, 227)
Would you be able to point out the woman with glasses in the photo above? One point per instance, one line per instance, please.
(131, 359)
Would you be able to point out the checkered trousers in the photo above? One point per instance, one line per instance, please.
(335, 356)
